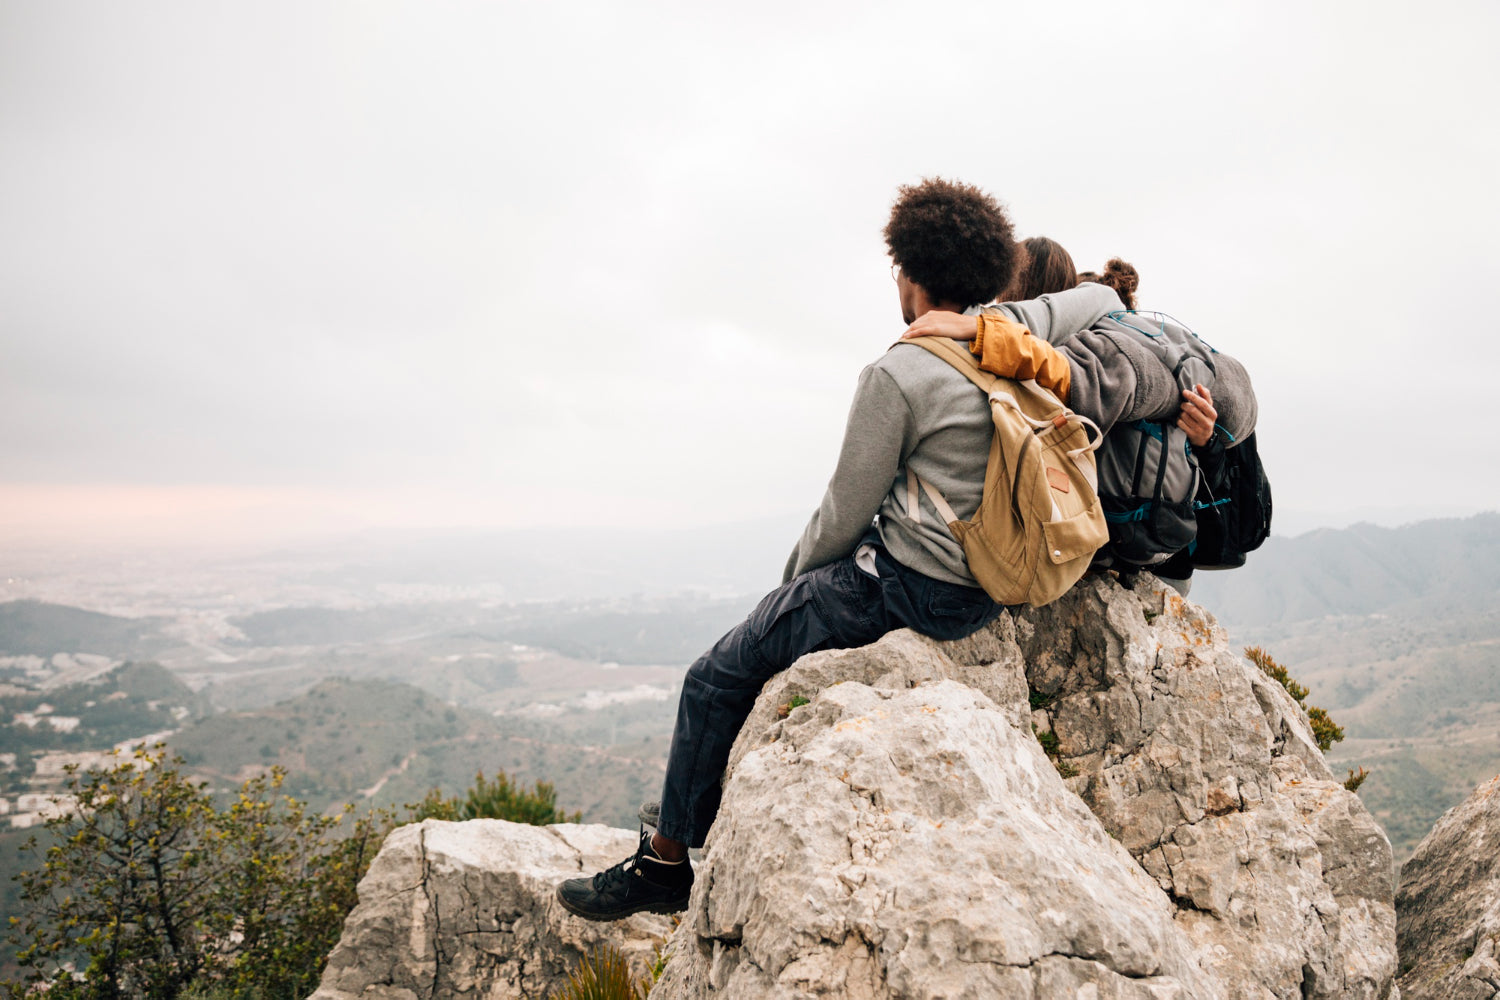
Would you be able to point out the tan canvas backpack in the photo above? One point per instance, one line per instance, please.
(1039, 521)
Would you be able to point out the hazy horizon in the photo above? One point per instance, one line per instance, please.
(226, 520)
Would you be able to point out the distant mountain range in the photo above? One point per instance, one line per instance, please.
(1395, 630)
(33, 628)
(1431, 566)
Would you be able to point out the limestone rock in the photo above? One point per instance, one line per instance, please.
(903, 836)
(1449, 905)
(916, 842)
(470, 910)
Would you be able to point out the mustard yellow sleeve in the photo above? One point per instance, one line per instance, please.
(1008, 349)
(976, 346)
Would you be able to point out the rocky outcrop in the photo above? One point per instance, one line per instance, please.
(1208, 773)
(1449, 905)
(1095, 799)
(470, 910)
(915, 841)
(904, 834)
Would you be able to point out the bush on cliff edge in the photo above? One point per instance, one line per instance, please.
(153, 892)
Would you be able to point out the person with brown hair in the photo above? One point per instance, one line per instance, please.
(1048, 268)
(995, 338)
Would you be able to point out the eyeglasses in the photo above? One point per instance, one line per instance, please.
(896, 273)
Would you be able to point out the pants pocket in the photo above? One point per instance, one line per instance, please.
(954, 612)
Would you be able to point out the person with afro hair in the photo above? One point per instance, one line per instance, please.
(866, 564)
(953, 242)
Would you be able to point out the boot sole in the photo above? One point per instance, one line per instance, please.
(662, 906)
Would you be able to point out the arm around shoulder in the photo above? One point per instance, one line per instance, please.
(1008, 349)
(1116, 380)
(1060, 316)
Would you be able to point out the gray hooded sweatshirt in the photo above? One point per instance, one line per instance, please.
(912, 408)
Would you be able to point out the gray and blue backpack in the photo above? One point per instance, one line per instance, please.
(1148, 486)
(1155, 496)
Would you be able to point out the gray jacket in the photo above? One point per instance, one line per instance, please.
(913, 408)
(1132, 366)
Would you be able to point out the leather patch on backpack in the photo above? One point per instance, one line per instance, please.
(1058, 480)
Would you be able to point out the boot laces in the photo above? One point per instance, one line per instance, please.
(618, 875)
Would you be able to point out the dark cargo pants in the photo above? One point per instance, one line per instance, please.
(837, 606)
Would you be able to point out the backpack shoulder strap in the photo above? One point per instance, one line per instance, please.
(959, 357)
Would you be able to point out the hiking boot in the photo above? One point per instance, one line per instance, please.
(642, 881)
(650, 813)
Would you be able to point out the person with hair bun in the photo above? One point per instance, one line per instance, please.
(1115, 371)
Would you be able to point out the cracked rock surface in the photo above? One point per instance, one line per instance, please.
(469, 910)
(905, 835)
(1449, 904)
(1208, 772)
(917, 842)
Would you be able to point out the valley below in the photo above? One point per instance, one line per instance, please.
(372, 687)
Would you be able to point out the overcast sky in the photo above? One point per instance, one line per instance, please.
(515, 264)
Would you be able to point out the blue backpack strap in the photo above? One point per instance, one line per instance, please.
(1147, 429)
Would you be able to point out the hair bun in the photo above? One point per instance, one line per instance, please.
(1123, 278)
(1124, 272)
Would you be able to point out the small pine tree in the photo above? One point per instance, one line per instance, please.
(1324, 730)
(500, 798)
(150, 890)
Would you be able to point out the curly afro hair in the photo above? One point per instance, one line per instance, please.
(953, 240)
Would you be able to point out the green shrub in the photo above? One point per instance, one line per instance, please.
(1053, 750)
(151, 889)
(1324, 730)
(785, 708)
(1048, 740)
(434, 806)
(1276, 672)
